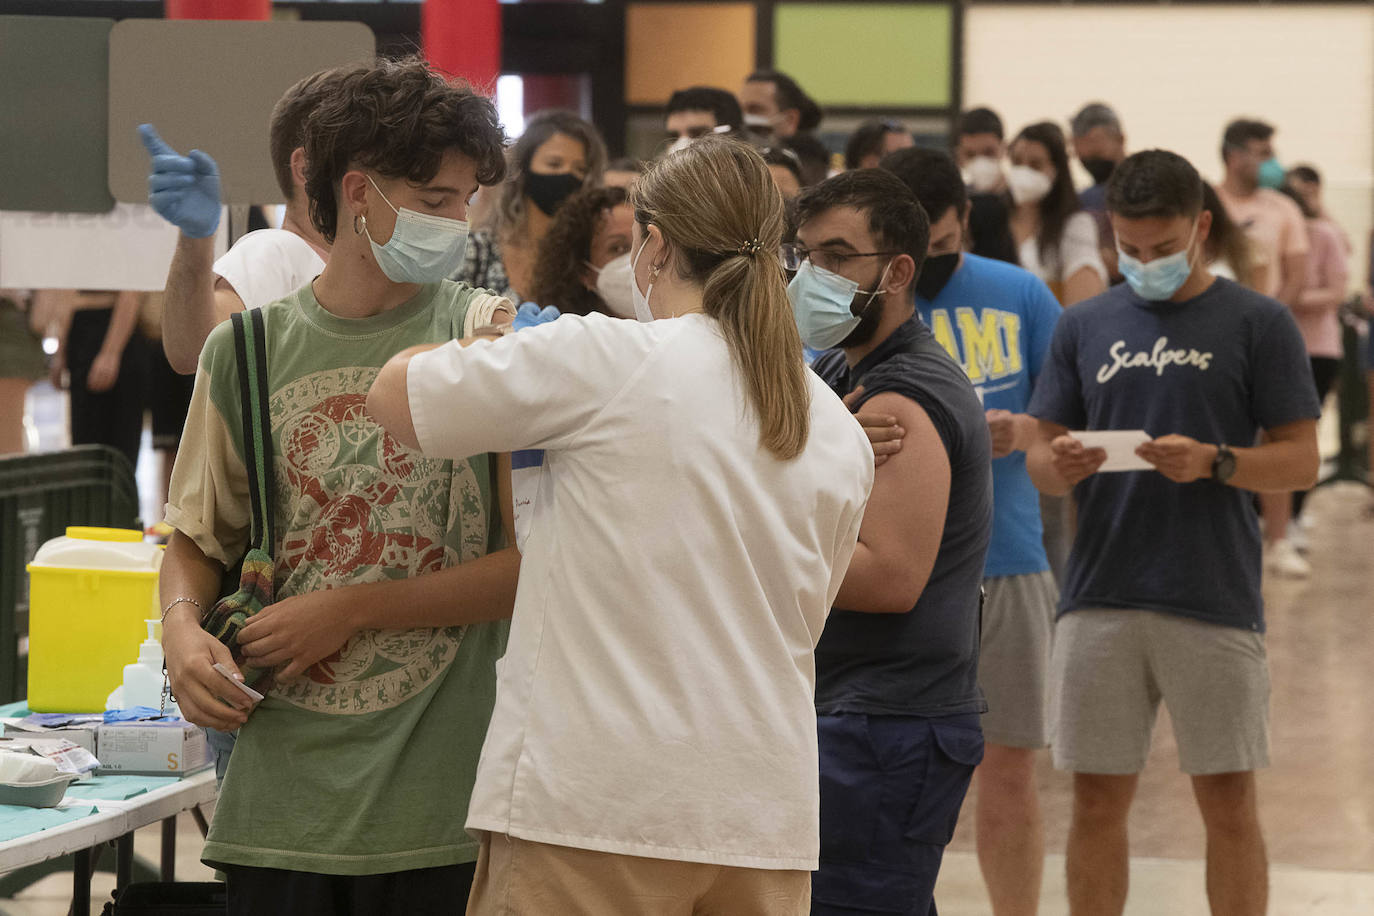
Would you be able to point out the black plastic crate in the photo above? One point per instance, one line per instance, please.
(40, 496)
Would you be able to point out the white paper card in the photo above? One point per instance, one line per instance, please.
(1120, 445)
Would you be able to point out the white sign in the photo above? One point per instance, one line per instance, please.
(129, 248)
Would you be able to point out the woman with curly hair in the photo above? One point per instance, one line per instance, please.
(584, 259)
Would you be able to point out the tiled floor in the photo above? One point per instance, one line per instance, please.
(1317, 801)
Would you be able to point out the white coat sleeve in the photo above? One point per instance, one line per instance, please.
(538, 388)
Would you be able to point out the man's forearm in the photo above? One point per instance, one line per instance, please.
(1040, 467)
(474, 592)
(1277, 467)
(188, 314)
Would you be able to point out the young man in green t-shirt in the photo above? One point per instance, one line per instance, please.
(348, 788)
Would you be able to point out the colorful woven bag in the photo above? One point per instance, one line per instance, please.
(253, 589)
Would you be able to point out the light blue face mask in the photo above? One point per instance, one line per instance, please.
(1159, 279)
(422, 248)
(1271, 173)
(823, 301)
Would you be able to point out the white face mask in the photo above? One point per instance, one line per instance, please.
(613, 282)
(762, 123)
(983, 174)
(641, 300)
(1028, 185)
(422, 248)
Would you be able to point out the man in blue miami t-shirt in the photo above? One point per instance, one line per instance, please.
(996, 320)
(1162, 596)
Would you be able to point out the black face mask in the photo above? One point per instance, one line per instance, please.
(1100, 169)
(935, 273)
(549, 191)
(870, 306)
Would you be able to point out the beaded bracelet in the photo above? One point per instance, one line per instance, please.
(177, 601)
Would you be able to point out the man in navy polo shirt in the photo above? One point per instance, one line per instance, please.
(1162, 596)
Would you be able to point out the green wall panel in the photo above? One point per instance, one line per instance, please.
(866, 54)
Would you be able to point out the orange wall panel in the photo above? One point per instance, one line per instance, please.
(672, 46)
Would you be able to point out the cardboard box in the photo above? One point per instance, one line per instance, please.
(175, 748)
(82, 734)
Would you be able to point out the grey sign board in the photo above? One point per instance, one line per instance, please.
(54, 101)
(212, 86)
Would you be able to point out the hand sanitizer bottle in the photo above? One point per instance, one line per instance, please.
(143, 679)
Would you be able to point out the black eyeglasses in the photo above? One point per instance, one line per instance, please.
(793, 255)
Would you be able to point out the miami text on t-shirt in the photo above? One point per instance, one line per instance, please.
(991, 342)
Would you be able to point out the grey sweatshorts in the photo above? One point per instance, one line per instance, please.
(1111, 668)
(1014, 658)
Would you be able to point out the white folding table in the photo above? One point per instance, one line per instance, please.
(114, 821)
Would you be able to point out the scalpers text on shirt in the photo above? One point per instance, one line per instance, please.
(1158, 359)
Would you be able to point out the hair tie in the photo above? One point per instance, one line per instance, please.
(750, 248)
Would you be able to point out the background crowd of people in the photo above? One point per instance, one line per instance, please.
(959, 573)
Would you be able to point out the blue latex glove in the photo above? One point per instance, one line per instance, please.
(184, 190)
(530, 314)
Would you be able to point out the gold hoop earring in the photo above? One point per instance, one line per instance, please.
(356, 218)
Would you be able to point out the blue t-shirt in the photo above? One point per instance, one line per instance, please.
(923, 662)
(997, 321)
(1094, 199)
(1218, 368)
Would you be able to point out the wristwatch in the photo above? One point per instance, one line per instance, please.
(1224, 464)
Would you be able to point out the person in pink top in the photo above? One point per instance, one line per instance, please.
(1328, 276)
(1277, 230)
(1307, 181)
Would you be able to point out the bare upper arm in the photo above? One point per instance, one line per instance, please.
(227, 301)
(905, 519)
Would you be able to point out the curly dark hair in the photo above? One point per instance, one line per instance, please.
(398, 117)
(566, 248)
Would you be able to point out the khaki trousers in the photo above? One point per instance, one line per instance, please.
(521, 878)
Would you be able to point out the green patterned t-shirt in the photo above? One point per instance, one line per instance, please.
(365, 764)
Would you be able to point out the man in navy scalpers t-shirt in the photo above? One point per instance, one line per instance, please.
(996, 321)
(1162, 596)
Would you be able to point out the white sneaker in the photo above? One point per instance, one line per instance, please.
(1297, 536)
(1283, 560)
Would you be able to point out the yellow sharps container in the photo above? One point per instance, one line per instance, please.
(89, 593)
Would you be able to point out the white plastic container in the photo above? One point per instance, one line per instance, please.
(89, 595)
(143, 678)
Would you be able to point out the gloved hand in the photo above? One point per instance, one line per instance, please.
(184, 190)
(530, 314)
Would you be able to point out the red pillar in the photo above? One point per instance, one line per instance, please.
(463, 38)
(219, 9)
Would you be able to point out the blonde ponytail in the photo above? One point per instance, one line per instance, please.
(717, 206)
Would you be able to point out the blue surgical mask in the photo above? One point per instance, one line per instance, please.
(1271, 173)
(422, 248)
(823, 301)
(1159, 279)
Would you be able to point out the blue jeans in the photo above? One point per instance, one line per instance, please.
(891, 789)
(221, 746)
